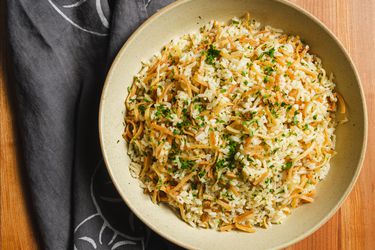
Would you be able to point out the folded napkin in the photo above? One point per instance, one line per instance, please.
(61, 51)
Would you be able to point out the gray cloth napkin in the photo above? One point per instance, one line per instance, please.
(61, 51)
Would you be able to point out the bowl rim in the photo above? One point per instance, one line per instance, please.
(308, 15)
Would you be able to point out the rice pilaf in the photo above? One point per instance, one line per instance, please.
(233, 126)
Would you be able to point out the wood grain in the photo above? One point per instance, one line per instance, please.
(16, 231)
(352, 227)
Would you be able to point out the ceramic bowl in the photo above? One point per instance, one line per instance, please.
(187, 16)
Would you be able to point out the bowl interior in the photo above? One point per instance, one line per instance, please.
(187, 16)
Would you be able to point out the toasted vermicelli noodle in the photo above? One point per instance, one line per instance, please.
(232, 126)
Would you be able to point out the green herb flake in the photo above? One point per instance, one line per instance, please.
(142, 108)
(295, 120)
(159, 184)
(220, 163)
(287, 166)
(162, 111)
(201, 173)
(270, 53)
(268, 181)
(186, 164)
(176, 132)
(268, 70)
(198, 107)
(275, 150)
(266, 79)
(211, 54)
(274, 113)
(251, 133)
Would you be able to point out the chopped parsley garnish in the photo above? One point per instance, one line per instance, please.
(251, 133)
(314, 117)
(159, 184)
(268, 70)
(176, 132)
(212, 54)
(201, 173)
(275, 150)
(274, 113)
(232, 152)
(186, 164)
(220, 163)
(266, 79)
(235, 22)
(243, 73)
(232, 148)
(270, 53)
(246, 82)
(289, 64)
(295, 120)
(229, 160)
(287, 166)
(223, 90)
(142, 108)
(163, 111)
(183, 124)
(306, 127)
(198, 107)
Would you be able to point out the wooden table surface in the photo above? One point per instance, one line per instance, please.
(352, 227)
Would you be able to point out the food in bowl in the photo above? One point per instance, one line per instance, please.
(232, 126)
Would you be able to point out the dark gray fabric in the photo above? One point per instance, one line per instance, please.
(61, 51)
